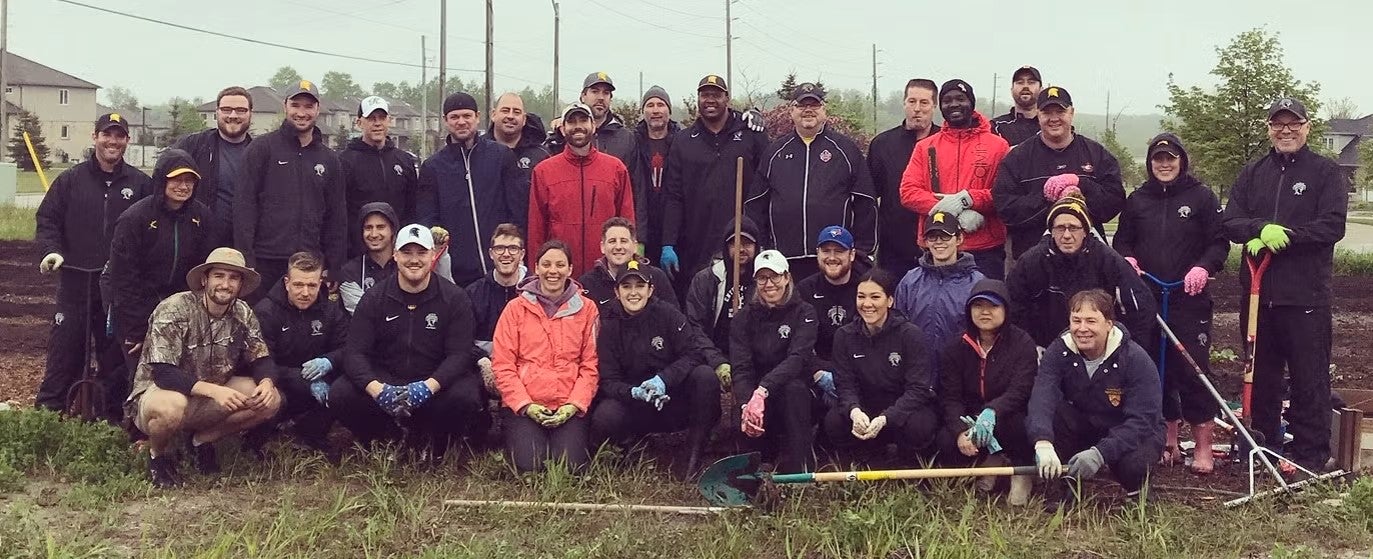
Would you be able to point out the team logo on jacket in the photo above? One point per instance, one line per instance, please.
(152, 224)
(1203, 339)
(316, 328)
(1087, 167)
(1297, 189)
(894, 358)
(524, 162)
(1113, 396)
(657, 343)
(397, 168)
(319, 169)
(58, 318)
(195, 221)
(836, 315)
(1185, 212)
(826, 156)
(784, 331)
(127, 193)
(431, 320)
(367, 283)
(738, 136)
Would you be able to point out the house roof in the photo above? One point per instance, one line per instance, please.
(265, 100)
(22, 71)
(1349, 156)
(156, 119)
(1350, 126)
(268, 100)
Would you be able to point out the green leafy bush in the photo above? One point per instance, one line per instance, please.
(34, 441)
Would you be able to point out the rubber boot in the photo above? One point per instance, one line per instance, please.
(1202, 461)
(1020, 490)
(988, 483)
(696, 445)
(1170, 444)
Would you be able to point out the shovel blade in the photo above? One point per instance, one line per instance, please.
(732, 481)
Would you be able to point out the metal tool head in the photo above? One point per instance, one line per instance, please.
(732, 481)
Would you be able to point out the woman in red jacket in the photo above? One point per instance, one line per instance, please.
(544, 359)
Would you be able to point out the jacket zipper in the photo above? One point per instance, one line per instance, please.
(176, 250)
(472, 197)
(409, 336)
(581, 190)
(805, 200)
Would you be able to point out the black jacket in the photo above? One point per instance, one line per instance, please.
(657, 341)
(711, 288)
(884, 373)
(469, 192)
(599, 285)
(1044, 279)
(529, 151)
(888, 155)
(154, 247)
(654, 173)
(291, 199)
(1123, 399)
(1000, 379)
(1305, 193)
(1014, 129)
(360, 273)
(770, 347)
(370, 174)
(204, 149)
(391, 342)
(699, 186)
(295, 336)
(488, 301)
(1171, 228)
(77, 216)
(835, 306)
(1019, 188)
(802, 188)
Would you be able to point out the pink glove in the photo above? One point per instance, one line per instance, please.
(1134, 264)
(1195, 280)
(1055, 187)
(753, 413)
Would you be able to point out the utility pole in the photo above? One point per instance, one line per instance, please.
(557, 21)
(641, 85)
(490, 49)
(4, 75)
(443, 49)
(874, 87)
(729, 46)
(424, 99)
(994, 90)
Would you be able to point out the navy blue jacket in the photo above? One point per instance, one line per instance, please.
(469, 192)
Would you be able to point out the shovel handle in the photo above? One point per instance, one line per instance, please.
(924, 473)
(665, 509)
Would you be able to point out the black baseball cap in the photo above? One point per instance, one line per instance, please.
(1164, 145)
(632, 269)
(596, 78)
(944, 222)
(111, 120)
(1034, 72)
(303, 87)
(1287, 104)
(1054, 95)
(713, 80)
(808, 91)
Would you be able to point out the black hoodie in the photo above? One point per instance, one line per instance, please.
(1044, 279)
(295, 336)
(599, 284)
(154, 247)
(656, 341)
(384, 174)
(711, 289)
(1018, 192)
(654, 170)
(1001, 378)
(529, 151)
(1169, 228)
(885, 372)
(361, 272)
(771, 346)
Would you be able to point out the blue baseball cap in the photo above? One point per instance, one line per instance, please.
(835, 234)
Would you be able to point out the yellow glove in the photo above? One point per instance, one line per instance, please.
(723, 373)
(564, 413)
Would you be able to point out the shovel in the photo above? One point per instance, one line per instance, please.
(736, 481)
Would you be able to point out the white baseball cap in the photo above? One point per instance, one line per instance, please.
(417, 234)
(372, 104)
(770, 260)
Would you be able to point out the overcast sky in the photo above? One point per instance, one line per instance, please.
(1088, 46)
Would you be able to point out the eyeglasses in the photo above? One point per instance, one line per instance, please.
(938, 236)
(1061, 229)
(774, 280)
(506, 249)
(1291, 126)
(233, 110)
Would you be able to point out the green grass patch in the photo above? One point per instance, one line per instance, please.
(29, 183)
(16, 223)
(1347, 262)
(42, 442)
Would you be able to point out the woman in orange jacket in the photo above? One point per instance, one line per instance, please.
(544, 360)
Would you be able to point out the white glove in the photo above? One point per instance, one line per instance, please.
(1047, 460)
(50, 263)
(488, 377)
(971, 221)
(953, 203)
(875, 426)
(753, 119)
(860, 423)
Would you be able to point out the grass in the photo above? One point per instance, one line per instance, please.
(1347, 262)
(16, 224)
(294, 505)
(29, 182)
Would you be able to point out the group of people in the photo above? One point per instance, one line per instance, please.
(951, 292)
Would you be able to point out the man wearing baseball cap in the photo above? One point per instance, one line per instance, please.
(375, 170)
(1022, 121)
(75, 224)
(1291, 204)
(468, 188)
(292, 196)
(1039, 173)
(654, 135)
(211, 394)
(933, 294)
(833, 293)
(611, 136)
(812, 177)
(408, 364)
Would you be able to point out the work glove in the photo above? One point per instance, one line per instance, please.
(638, 393)
(1057, 185)
(953, 203)
(825, 381)
(1134, 264)
(861, 423)
(723, 373)
(50, 263)
(538, 413)
(654, 386)
(993, 446)
(1085, 464)
(875, 427)
(564, 413)
(753, 119)
(316, 368)
(983, 427)
(440, 235)
(971, 220)
(320, 390)
(1274, 237)
(753, 413)
(1255, 246)
(488, 375)
(418, 393)
(1047, 460)
(669, 261)
(394, 400)
(1195, 280)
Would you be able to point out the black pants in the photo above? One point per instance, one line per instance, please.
(271, 270)
(1184, 395)
(530, 444)
(1296, 339)
(1009, 433)
(1073, 434)
(914, 437)
(694, 406)
(991, 262)
(312, 419)
(788, 428)
(454, 411)
(79, 313)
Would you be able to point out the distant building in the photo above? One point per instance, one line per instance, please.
(64, 104)
(1343, 136)
(268, 114)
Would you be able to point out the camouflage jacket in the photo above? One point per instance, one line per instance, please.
(182, 333)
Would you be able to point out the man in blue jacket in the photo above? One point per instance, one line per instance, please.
(934, 294)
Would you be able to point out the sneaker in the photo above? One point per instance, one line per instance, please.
(162, 472)
(206, 460)
(1020, 490)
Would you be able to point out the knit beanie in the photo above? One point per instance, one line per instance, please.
(961, 86)
(1071, 205)
(459, 101)
(659, 92)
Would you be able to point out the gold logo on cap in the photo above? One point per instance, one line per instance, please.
(305, 84)
(1053, 92)
(601, 75)
(114, 117)
(711, 79)
(939, 217)
(633, 265)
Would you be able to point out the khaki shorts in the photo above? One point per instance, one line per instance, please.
(201, 412)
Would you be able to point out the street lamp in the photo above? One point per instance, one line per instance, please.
(143, 140)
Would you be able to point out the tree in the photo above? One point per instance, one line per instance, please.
(182, 119)
(339, 86)
(19, 151)
(789, 85)
(1365, 174)
(1131, 172)
(285, 78)
(1344, 108)
(385, 89)
(1226, 127)
(341, 137)
(122, 99)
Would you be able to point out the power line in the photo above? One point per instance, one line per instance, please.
(810, 37)
(794, 46)
(794, 64)
(649, 23)
(675, 11)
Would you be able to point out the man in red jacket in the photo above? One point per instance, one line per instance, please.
(965, 154)
(571, 194)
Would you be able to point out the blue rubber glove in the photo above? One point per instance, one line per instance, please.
(826, 383)
(654, 386)
(320, 390)
(982, 427)
(394, 400)
(669, 261)
(638, 393)
(993, 446)
(418, 393)
(316, 368)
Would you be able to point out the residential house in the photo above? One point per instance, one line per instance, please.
(64, 104)
(1343, 136)
(336, 117)
(267, 110)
